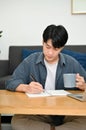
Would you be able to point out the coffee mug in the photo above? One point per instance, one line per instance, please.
(69, 80)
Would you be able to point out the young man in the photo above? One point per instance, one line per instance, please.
(48, 68)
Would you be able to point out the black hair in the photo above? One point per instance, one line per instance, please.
(58, 35)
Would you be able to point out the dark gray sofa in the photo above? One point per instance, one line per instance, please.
(15, 57)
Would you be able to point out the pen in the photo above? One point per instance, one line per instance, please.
(32, 77)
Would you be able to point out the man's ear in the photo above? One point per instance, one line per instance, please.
(62, 48)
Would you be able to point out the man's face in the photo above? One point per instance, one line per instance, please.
(51, 54)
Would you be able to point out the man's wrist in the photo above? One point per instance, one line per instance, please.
(21, 88)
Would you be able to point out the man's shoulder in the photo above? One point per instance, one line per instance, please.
(34, 56)
(68, 58)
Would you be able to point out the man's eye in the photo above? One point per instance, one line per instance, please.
(47, 47)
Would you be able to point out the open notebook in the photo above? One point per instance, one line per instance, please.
(80, 97)
(49, 93)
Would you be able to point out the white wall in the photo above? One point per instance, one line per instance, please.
(23, 22)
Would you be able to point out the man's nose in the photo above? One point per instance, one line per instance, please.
(50, 52)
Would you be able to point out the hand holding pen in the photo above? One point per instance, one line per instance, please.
(42, 90)
(34, 86)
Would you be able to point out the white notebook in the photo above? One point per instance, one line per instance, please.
(49, 93)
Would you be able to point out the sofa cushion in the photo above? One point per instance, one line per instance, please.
(80, 57)
(27, 52)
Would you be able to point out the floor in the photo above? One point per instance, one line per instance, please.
(6, 127)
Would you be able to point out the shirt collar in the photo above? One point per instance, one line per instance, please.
(40, 59)
(62, 59)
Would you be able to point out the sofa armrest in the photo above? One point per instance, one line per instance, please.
(4, 68)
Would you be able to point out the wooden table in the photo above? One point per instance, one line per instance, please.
(20, 103)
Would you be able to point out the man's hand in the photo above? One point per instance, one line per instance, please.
(33, 87)
(80, 82)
